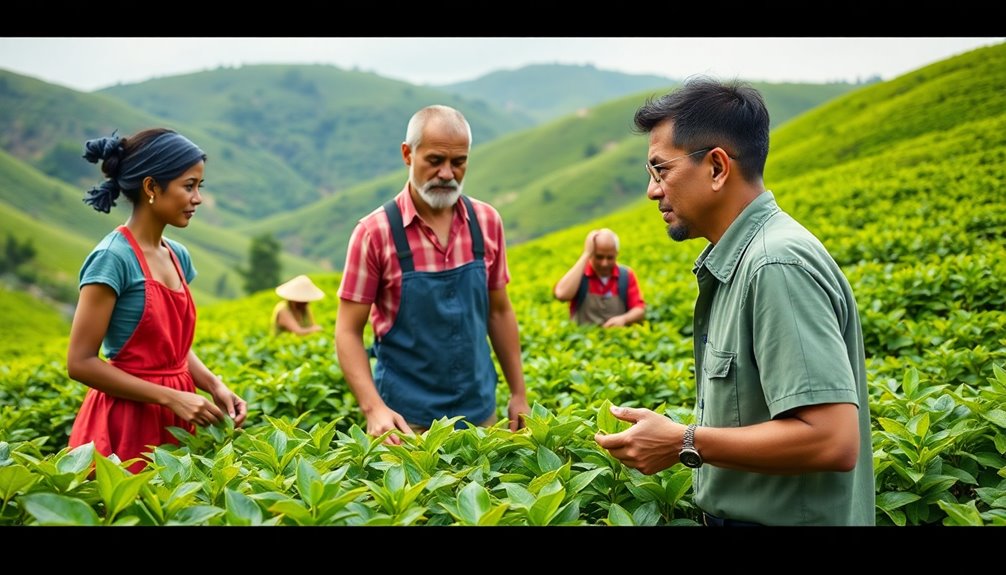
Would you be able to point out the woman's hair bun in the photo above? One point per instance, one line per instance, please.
(102, 148)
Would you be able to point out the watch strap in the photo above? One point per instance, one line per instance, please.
(688, 442)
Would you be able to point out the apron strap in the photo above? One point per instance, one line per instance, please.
(398, 234)
(478, 244)
(136, 249)
(143, 259)
(402, 243)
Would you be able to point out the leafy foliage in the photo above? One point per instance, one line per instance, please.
(925, 265)
(16, 253)
(29, 323)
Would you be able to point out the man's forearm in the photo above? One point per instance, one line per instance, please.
(506, 343)
(355, 365)
(634, 315)
(565, 289)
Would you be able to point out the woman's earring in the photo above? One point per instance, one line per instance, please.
(151, 202)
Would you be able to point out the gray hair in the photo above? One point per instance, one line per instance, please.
(417, 124)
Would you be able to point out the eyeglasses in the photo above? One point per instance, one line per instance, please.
(652, 168)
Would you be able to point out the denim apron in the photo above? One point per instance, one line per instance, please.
(434, 361)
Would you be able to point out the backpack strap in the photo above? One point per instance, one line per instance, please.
(623, 285)
(581, 292)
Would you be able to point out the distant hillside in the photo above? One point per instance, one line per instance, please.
(50, 213)
(46, 125)
(786, 101)
(938, 97)
(892, 172)
(542, 179)
(29, 324)
(320, 118)
(334, 127)
(548, 91)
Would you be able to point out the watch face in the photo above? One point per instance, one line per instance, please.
(690, 458)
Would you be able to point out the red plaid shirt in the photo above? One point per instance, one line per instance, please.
(373, 274)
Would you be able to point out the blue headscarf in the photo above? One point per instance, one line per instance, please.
(164, 158)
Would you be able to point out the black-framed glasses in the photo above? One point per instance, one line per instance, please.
(652, 168)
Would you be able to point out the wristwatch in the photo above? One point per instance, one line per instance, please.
(689, 456)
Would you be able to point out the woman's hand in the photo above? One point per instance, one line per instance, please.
(229, 402)
(194, 408)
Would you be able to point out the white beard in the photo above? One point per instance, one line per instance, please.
(439, 200)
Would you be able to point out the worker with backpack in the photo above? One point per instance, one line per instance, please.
(600, 291)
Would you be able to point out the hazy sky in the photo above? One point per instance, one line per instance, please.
(92, 63)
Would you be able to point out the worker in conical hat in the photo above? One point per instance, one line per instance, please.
(293, 314)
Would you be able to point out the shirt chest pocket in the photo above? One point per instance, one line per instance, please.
(718, 405)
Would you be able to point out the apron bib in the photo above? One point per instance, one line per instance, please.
(597, 309)
(434, 361)
(157, 352)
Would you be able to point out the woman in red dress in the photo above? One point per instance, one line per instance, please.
(135, 304)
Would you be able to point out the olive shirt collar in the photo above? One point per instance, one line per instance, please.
(721, 258)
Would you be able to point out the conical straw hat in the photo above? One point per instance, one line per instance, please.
(300, 288)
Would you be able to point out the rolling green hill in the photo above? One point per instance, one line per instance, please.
(64, 229)
(334, 127)
(46, 125)
(917, 222)
(786, 101)
(893, 190)
(29, 324)
(542, 179)
(549, 91)
(577, 167)
(938, 97)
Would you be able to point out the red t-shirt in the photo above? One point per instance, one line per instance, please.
(595, 286)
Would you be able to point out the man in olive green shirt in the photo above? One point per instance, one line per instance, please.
(782, 423)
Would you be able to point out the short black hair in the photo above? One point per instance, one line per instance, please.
(706, 113)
